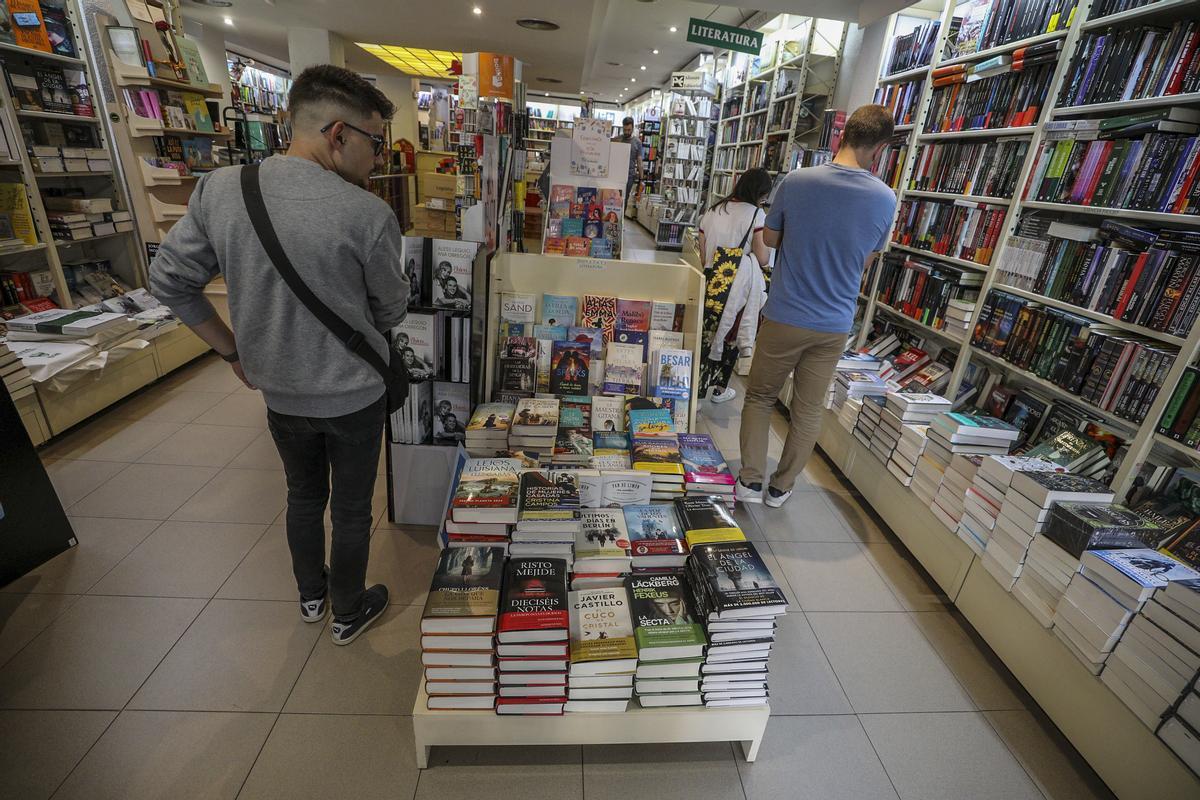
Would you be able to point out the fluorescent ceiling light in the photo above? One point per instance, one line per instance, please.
(413, 60)
(654, 51)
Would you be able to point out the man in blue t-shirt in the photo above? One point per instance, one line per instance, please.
(826, 222)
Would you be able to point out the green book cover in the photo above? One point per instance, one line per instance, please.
(662, 617)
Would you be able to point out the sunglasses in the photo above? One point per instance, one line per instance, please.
(378, 141)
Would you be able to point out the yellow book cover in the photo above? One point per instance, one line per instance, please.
(601, 627)
(15, 203)
(197, 109)
(713, 536)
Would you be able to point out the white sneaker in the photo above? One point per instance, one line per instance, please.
(723, 396)
(774, 498)
(745, 494)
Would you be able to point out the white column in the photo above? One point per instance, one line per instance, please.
(308, 47)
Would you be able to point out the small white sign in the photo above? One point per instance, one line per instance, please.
(590, 145)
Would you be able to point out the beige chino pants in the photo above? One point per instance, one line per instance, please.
(811, 357)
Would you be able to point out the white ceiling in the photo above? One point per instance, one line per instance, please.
(594, 34)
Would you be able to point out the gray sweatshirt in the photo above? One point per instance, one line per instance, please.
(344, 242)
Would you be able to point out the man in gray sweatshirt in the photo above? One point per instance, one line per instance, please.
(326, 406)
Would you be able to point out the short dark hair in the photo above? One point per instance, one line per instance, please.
(627, 121)
(325, 83)
(868, 126)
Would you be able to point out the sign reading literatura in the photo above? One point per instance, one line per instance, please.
(702, 31)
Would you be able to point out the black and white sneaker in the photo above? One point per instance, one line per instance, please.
(314, 610)
(374, 603)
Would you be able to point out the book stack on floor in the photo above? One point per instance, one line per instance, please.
(1110, 587)
(547, 515)
(484, 505)
(487, 432)
(1004, 553)
(603, 653)
(739, 601)
(457, 649)
(535, 427)
(913, 412)
(670, 642)
(656, 538)
(869, 419)
(531, 638)
(602, 557)
(1059, 511)
(17, 378)
(705, 471)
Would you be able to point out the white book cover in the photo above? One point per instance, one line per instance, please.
(625, 488)
(608, 413)
(657, 340)
(662, 316)
(516, 307)
(623, 368)
(453, 266)
(415, 340)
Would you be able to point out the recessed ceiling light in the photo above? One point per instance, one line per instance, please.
(654, 51)
(477, 11)
(633, 80)
(674, 29)
(229, 20)
(643, 66)
(547, 94)
(537, 24)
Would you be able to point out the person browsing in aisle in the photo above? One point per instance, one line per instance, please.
(325, 404)
(826, 222)
(736, 287)
(635, 156)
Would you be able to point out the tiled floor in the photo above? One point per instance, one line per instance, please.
(164, 656)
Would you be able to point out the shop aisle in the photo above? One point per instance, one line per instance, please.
(164, 656)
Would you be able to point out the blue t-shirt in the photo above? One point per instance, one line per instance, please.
(832, 218)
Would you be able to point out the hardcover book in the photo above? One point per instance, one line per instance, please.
(623, 368)
(633, 315)
(548, 497)
(536, 416)
(593, 337)
(608, 443)
(533, 606)
(702, 461)
(626, 487)
(599, 311)
(654, 530)
(608, 414)
(452, 269)
(1076, 527)
(706, 519)
(601, 631)
(1147, 569)
(491, 419)
(569, 368)
(451, 410)
(487, 483)
(657, 454)
(736, 579)
(464, 596)
(603, 538)
(1043, 488)
(559, 310)
(1185, 546)
(52, 90)
(664, 627)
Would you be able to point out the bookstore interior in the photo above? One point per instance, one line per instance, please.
(985, 584)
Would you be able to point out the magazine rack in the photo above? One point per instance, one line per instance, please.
(635, 726)
(632, 280)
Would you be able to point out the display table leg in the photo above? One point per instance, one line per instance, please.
(423, 756)
(750, 749)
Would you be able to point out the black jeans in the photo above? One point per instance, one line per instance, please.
(312, 448)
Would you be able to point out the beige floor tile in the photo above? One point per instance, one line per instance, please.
(144, 491)
(96, 654)
(24, 616)
(201, 446)
(802, 680)
(112, 439)
(377, 674)
(947, 757)
(42, 747)
(102, 545)
(1048, 758)
(884, 664)
(404, 562)
(861, 524)
(247, 410)
(980, 672)
(684, 771)
(170, 754)
(182, 559)
(239, 655)
(833, 576)
(74, 480)
(904, 576)
(358, 756)
(162, 405)
(805, 517)
(238, 495)
(266, 571)
(815, 758)
(206, 374)
(531, 773)
(261, 454)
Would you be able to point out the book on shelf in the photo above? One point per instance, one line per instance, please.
(1120, 64)
(983, 169)
(464, 596)
(923, 289)
(913, 49)
(991, 23)
(959, 229)
(559, 310)
(1005, 100)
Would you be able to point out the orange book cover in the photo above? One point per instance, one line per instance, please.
(953, 69)
(34, 38)
(950, 80)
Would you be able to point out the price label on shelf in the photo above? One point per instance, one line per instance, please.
(590, 263)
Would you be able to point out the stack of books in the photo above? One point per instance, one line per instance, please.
(484, 504)
(547, 515)
(706, 520)
(981, 507)
(670, 642)
(958, 317)
(457, 625)
(914, 412)
(659, 455)
(603, 652)
(848, 412)
(705, 471)
(610, 449)
(1004, 553)
(857, 384)
(602, 557)
(17, 378)
(531, 640)
(534, 427)
(1102, 598)
(868, 419)
(739, 601)
(886, 434)
(952, 493)
(656, 539)
(1077, 453)
(487, 432)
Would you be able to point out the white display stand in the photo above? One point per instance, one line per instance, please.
(631, 280)
(635, 726)
(560, 175)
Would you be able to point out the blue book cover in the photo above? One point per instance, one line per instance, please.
(554, 333)
(613, 442)
(559, 310)
(650, 422)
(602, 248)
(654, 530)
(593, 335)
(625, 336)
(572, 227)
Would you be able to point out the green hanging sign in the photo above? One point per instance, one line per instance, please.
(702, 31)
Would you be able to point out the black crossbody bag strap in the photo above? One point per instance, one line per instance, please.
(354, 341)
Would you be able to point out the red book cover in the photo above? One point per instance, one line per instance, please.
(1130, 283)
(633, 315)
(1186, 188)
(535, 595)
(1178, 71)
(553, 704)
(1097, 171)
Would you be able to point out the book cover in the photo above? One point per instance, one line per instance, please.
(466, 583)
(650, 422)
(52, 90)
(607, 414)
(623, 368)
(633, 315)
(517, 307)
(80, 94)
(599, 311)
(593, 337)
(625, 487)
(607, 443)
(573, 443)
(736, 578)
(414, 340)
(559, 310)
(536, 415)
(601, 627)
(662, 616)
(657, 454)
(197, 111)
(569, 368)
(702, 461)
(654, 530)
(704, 515)
(1076, 527)
(414, 268)
(545, 496)
(578, 246)
(28, 25)
(1147, 568)
(602, 534)
(451, 411)
(1185, 545)
(672, 373)
(487, 483)
(535, 595)
(666, 316)
(492, 418)
(453, 268)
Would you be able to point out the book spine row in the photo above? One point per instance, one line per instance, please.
(890, 163)
(914, 49)
(1012, 20)
(1007, 100)
(986, 169)
(1118, 373)
(923, 291)
(901, 99)
(1118, 64)
(1104, 8)
(960, 230)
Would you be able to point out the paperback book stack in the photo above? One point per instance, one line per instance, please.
(914, 412)
(670, 641)
(457, 650)
(656, 539)
(903, 463)
(531, 639)
(948, 503)
(847, 414)
(958, 317)
(705, 471)
(706, 520)
(659, 455)
(1059, 534)
(603, 652)
(852, 363)
(602, 557)
(484, 505)
(1103, 596)
(17, 378)
(739, 601)
(487, 431)
(868, 419)
(534, 427)
(1004, 553)
(547, 515)
(886, 434)
(931, 468)
(856, 384)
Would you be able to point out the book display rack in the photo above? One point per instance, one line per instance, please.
(687, 131)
